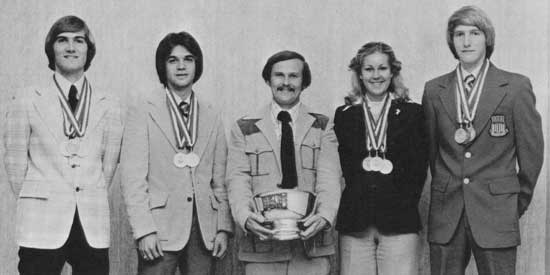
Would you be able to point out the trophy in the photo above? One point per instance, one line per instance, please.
(284, 209)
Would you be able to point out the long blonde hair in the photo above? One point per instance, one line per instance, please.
(358, 89)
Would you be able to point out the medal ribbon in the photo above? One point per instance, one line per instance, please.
(466, 108)
(376, 130)
(185, 129)
(77, 122)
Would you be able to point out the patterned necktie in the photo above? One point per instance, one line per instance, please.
(73, 101)
(469, 83)
(185, 108)
(288, 161)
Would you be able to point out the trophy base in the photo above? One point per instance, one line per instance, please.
(286, 236)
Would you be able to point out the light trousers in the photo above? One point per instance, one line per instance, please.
(371, 252)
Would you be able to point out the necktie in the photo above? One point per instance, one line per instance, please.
(288, 161)
(73, 101)
(184, 109)
(469, 81)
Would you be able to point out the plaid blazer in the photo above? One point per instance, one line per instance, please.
(49, 188)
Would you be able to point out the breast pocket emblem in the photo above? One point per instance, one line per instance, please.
(498, 126)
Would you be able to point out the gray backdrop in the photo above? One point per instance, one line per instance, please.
(238, 36)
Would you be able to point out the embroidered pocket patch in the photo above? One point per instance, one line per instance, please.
(498, 126)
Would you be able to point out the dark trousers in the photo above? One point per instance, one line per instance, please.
(193, 259)
(84, 259)
(453, 258)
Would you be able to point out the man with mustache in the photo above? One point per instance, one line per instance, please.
(482, 124)
(62, 143)
(279, 147)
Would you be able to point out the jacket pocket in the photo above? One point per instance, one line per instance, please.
(157, 200)
(506, 185)
(214, 202)
(440, 183)
(260, 160)
(309, 153)
(35, 189)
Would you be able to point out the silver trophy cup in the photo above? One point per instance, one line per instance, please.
(284, 209)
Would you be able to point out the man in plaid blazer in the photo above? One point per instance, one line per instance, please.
(62, 144)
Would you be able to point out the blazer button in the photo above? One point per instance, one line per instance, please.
(468, 155)
(189, 199)
(466, 180)
(77, 189)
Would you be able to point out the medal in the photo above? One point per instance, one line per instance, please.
(182, 160)
(192, 159)
(72, 147)
(367, 164)
(377, 163)
(387, 167)
(461, 136)
(471, 133)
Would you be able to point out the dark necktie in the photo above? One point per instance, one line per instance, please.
(184, 109)
(73, 101)
(288, 161)
(469, 81)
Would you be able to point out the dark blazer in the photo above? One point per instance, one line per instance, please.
(481, 178)
(388, 202)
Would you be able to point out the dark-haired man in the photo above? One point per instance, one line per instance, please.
(280, 147)
(173, 168)
(482, 123)
(62, 144)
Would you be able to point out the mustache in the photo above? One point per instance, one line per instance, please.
(287, 87)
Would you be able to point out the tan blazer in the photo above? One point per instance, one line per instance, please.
(48, 188)
(481, 178)
(159, 196)
(254, 167)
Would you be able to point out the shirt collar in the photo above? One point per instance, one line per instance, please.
(275, 109)
(475, 71)
(65, 84)
(179, 100)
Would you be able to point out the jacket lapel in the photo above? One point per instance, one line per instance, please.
(395, 119)
(158, 110)
(448, 95)
(303, 124)
(205, 126)
(266, 127)
(46, 104)
(491, 97)
(97, 109)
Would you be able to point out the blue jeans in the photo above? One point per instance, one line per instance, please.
(371, 252)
